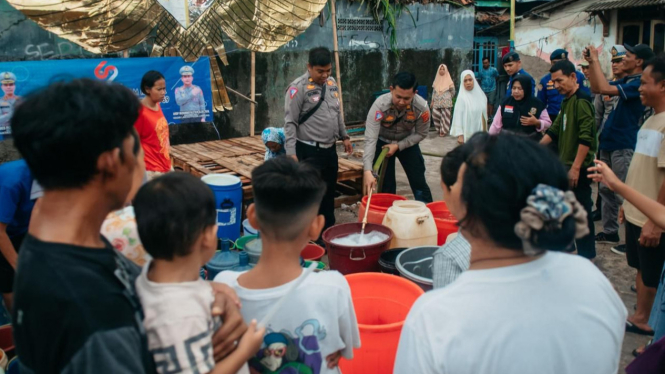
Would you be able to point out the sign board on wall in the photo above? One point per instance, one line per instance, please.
(187, 100)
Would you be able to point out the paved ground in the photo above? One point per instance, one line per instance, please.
(612, 265)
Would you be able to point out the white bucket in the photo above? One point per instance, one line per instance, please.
(247, 228)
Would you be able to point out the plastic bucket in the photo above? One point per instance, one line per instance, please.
(380, 204)
(247, 229)
(446, 223)
(381, 303)
(240, 243)
(228, 201)
(312, 252)
(415, 264)
(348, 259)
(387, 261)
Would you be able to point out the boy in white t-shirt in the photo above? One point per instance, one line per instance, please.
(317, 324)
(177, 223)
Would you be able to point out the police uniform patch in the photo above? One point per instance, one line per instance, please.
(390, 118)
(378, 116)
(311, 86)
(315, 99)
(410, 116)
(330, 83)
(292, 92)
(425, 116)
(336, 94)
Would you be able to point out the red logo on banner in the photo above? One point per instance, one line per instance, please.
(102, 72)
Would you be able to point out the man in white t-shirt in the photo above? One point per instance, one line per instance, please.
(316, 325)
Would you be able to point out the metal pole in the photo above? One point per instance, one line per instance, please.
(252, 94)
(336, 53)
(512, 25)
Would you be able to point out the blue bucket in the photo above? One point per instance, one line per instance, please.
(228, 201)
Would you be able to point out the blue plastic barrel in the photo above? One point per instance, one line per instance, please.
(422, 91)
(228, 201)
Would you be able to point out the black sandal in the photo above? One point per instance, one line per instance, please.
(630, 327)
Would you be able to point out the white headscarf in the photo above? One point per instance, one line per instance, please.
(470, 109)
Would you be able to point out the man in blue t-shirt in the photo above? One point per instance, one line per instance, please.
(487, 76)
(513, 66)
(16, 203)
(619, 136)
(549, 95)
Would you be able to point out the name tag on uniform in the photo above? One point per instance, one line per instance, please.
(508, 109)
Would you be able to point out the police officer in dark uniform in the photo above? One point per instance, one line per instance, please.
(513, 66)
(399, 121)
(549, 95)
(313, 123)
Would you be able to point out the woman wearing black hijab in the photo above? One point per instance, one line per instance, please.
(521, 113)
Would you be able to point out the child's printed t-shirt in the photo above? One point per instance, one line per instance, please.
(179, 324)
(317, 320)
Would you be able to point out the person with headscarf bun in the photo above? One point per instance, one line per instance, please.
(442, 100)
(521, 113)
(273, 138)
(470, 114)
(523, 306)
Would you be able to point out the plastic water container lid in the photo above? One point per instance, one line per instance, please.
(244, 258)
(224, 260)
(221, 180)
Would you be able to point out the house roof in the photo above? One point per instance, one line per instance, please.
(548, 7)
(618, 4)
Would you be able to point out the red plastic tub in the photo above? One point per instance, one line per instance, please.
(380, 204)
(381, 302)
(312, 252)
(446, 223)
(348, 259)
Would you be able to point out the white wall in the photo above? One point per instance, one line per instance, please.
(568, 27)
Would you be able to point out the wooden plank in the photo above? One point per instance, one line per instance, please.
(235, 165)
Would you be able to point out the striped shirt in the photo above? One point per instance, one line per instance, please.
(450, 261)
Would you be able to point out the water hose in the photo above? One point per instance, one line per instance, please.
(380, 169)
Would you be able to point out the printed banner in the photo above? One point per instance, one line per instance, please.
(188, 95)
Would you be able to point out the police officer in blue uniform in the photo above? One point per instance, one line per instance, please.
(549, 95)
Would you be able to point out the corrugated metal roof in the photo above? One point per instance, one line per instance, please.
(617, 4)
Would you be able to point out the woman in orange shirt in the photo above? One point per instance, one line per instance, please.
(152, 127)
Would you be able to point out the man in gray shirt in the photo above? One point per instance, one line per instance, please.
(399, 121)
(313, 123)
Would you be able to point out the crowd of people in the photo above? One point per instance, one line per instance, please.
(509, 296)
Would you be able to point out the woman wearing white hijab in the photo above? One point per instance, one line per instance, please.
(470, 114)
(442, 100)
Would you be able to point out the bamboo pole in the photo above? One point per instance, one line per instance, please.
(512, 25)
(252, 94)
(336, 52)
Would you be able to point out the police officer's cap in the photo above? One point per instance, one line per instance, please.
(8, 77)
(510, 57)
(186, 70)
(559, 54)
(618, 53)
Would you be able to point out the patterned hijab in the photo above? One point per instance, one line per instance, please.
(275, 135)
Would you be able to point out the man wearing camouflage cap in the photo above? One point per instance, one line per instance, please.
(190, 97)
(7, 102)
(549, 95)
(604, 105)
(619, 133)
